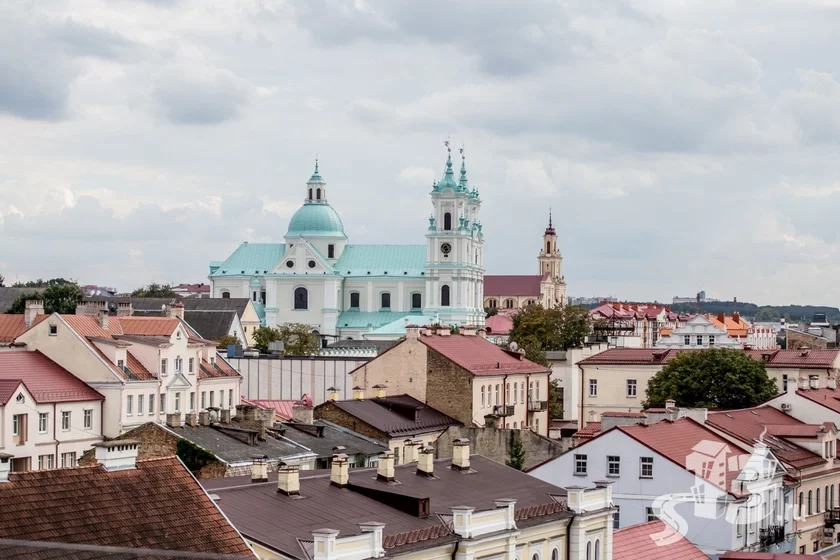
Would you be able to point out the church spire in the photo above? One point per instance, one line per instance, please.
(316, 187)
(448, 180)
(550, 229)
(463, 184)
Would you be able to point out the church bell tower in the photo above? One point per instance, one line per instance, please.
(551, 265)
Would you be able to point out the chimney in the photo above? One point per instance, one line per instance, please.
(468, 330)
(412, 332)
(670, 403)
(461, 454)
(177, 310)
(385, 470)
(340, 473)
(303, 414)
(831, 383)
(173, 420)
(736, 317)
(591, 416)
(814, 381)
(375, 530)
(803, 383)
(34, 307)
(103, 320)
(259, 468)
(358, 393)
(5, 467)
(721, 317)
(224, 416)
(288, 479)
(410, 449)
(191, 419)
(379, 391)
(323, 541)
(482, 332)
(332, 394)
(124, 309)
(204, 418)
(117, 455)
(426, 462)
(442, 331)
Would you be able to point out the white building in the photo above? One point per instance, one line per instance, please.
(317, 277)
(698, 332)
(715, 492)
(48, 417)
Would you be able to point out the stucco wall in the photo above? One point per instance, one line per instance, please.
(495, 444)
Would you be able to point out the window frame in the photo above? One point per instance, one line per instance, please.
(151, 404)
(581, 460)
(645, 462)
(87, 418)
(384, 298)
(140, 405)
(419, 297)
(650, 514)
(593, 388)
(66, 421)
(613, 461)
(129, 405)
(632, 383)
(43, 420)
(358, 300)
(445, 296)
(300, 302)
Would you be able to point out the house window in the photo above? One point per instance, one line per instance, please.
(151, 403)
(330, 251)
(514, 392)
(45, 462)
(447, 221)
(221, 398)
(597, 549)
(589, 551)
(65, 420)
(191, 365)
(507, 393)
(687, 340)
(444, 296)
(651, 516)
(385, 300)
(211, 399)
(738, 527)
(537, 425)
(192, 400)
(816, 546)
(818, 500)
(177, 402)
(631, 388)
(129, 401)
(613, 465)
(203, 399)
(163, 366)
(42, 423)
(646, 467)
(121, 365)
(784, 382)
(580, 464)
(416, 301)
(140, 405)
(711, 340)
(318, 194)
(354, 300)
(616, 518)
(593, 387)
(555, 554)
(225, 295)
(497, 395)
(53, 330)
(301, 298)
(179, 364)
(810, 502)
(482, 397)
(162, 408)
(230, 398)
(88, 418)
(537, 391)
(699, 340)
(801, 500)
(68, 459)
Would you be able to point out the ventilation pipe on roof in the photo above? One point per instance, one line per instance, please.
(5, 466)
(831, 383)
(379, 391)
(103, 320)
(426, 462)
(117, 455)
(358, 393)
(385, 470)
(340, 473)
(288, 479)
(461, 454)
(411, 448)
(259, 468)
(814, 381)
(332, 394)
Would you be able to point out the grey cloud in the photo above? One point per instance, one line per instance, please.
(186, 97)
(80, 39)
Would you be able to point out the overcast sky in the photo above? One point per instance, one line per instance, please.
(683, 144)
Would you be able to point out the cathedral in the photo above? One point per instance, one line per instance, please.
(343, 290)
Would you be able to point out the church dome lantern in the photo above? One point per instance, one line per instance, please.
(316, 218)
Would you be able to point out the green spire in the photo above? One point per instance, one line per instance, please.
(316, 176)
(448, 180)
(463, 184)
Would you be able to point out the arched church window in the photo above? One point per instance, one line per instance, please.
(416, 301)
(310, 194)
(354, 299)
(301, 298)
(385, 300)
(318, 194)
(548, 246)
(447, 221)
(444, 296)
(509, 303)
(226, 295)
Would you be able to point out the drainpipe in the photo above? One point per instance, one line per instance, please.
(569, 537)
(580, 398)
(504, 400)
(55, 435)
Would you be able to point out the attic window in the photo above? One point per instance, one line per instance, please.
(178, 335)
(53, 330)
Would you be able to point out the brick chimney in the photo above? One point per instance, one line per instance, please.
(340, 473)
(117, 455)
(379, 391)
(385, 470)
(358, 393)
(303, 414)
(426, 462)
(34, 307)
(412, 332)
(204, 418)
(259, 468)
(125, 309)
(191, 419)
(670, 403)
(173, 420)
(468, 330)
(410, 450)
(103, 320)
(5, 467)
(224, 416)
(332, 394)
(177, 310)
(482, 332)
(721, 317)
(461, 454)
(288, 479)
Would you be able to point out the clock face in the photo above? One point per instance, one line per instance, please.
(446, 248)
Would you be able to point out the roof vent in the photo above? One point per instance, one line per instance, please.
(117, 455)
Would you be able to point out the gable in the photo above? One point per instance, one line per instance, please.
(251, 259)
(302, 258)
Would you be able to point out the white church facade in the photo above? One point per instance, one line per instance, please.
(342, 290)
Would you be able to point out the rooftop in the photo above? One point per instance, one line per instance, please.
(211, 324)
(829, 398)
(382, 260)
(645, 541)
(322, 437)
(398, 415)
(10, 327)
(591, 430)
(232, 444)
(499, 324)
(517, 285)
(810, 359)
(479, 356)
(45, 380)
(139, 508)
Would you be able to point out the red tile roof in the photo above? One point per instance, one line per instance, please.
(630, 356)
(741, 555)
(590, 430)
(45, 380)
(137, 369)
(523, 285)
(499, 324)
(218, 369)
(647, 541)
(158, 505)
(678, 442)
(10, 327)
(149, 326)
(751, 424)
(480, 356)
(815, 359)
(829, 398)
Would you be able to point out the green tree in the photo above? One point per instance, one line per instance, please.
(715, 378)
(537, 330)
(194, 457)
(516, 452)
(223, 341)
(555, 400)
(41, 283)
(263, 336)
(299, 340)
(490, 311)
(58, 298)
(154, 291)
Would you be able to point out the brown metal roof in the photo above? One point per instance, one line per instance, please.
(398, 415)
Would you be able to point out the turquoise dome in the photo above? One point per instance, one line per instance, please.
(316, 219)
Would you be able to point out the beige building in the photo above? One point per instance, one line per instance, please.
(146, 367)
(616, 380)
(464, 376)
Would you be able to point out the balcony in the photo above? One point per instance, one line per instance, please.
(503, 409)
(537, 406)
(832, 516)
(774, 534)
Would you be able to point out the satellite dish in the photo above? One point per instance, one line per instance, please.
(112, 306)
(514, 347)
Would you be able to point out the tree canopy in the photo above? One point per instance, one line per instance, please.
(58, 298)
(298, 339)
(516, 452)
(537, 330)
(714, 378)
(41, 283)
(154, 291)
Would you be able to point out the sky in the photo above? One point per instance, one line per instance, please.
(681, 145)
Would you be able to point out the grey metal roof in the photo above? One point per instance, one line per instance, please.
(379, 345)
(216, 304)
(398, 415)
(9, 295)
(210, 324)
(231, 445)
(331, 436)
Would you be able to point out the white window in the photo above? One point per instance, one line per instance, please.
(522, 394)
(497, 395)
(178, 364)
(631, 388)
(129, 405)
(613, 465)
(646, 467)
(65, 420)
(687, 340)
(163, 366)
(152, 403)
(738, 526)
(140, 405)
(16, 425)
(212, 360)
(580, 464)
(651, 516)
(537, 391)
(699, 340)
(514, 393)
(192, 401)
(204, 400)
(711, 340)
(121, 365)
(616, 518)
(191, 365)
(42, 422)
(177, 402)
(68, 459)
(53, 330)
(45, 462)
(212, 394)
(88, 419)
(230, 398)
(162, 409)
(593, 387)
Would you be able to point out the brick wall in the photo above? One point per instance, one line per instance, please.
(495, 444)
(332, 413)
(449, 387)
(402, 369)
(796, 339)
